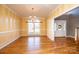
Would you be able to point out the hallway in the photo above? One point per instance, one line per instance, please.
(41, 45)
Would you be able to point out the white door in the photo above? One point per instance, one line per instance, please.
(33, 28)
(30, 29)
(37, 28)
(60, 28)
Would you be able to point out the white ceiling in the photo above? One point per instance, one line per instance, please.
(40, 10)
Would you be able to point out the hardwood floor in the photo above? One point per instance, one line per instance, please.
(41, 45)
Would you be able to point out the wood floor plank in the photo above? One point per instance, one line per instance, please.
(41, 45)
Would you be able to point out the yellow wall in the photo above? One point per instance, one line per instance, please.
(43, 27)
(9, 25)
(57, 12)
(24, 27)
(13, 26)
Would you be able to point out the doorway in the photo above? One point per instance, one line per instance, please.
(34, 27)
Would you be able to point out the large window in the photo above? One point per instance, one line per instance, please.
(34, 27)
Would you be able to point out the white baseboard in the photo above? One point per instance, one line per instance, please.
(8, 42)
(66, 36)
(71, 36)
(60, 36)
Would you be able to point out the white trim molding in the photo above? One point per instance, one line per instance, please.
(76, 33)
(71, 36)
(67, 10)
(4, 44)
(8, 31)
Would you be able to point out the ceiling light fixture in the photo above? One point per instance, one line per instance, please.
(32, 17)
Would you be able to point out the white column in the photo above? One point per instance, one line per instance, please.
(75, 33)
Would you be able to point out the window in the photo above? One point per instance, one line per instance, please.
(34, 27)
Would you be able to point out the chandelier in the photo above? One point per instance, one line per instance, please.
(32, 17)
